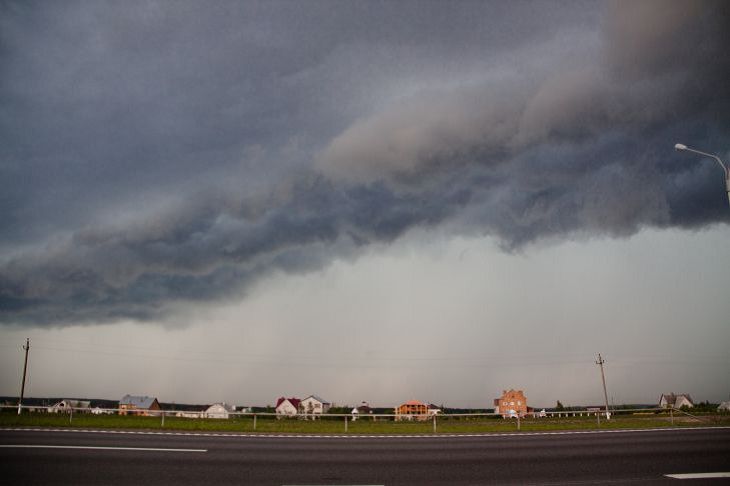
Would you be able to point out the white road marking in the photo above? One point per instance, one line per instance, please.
(100, 448)
(700, 475)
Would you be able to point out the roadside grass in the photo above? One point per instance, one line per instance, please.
(336, 425)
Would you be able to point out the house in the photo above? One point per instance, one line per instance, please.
(434, 409)
(362, 410)
(511, 404)
(412, 409)
(287, 406)
(138, 405)
(314, 405)
(218, 411)
(724, 407)
(68, 405)
(671, 400)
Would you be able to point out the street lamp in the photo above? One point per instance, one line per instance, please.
(725, 170)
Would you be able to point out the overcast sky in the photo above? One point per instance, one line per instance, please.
(375, 201)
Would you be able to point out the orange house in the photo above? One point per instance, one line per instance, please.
(511, 403)
(411, 410)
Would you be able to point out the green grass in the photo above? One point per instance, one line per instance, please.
(336, 425)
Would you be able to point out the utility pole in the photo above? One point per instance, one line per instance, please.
(603, 378)
(25, 368)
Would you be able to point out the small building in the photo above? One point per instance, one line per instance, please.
(138, 405)
(412, 410)
(361, 411)
(724, 407)
(434, 409)
(511, 404)
(314, 405)
(68, 405)
(287, 406)
(671, 400)
(101, 411)
(218, 411)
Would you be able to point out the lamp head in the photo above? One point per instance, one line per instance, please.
(680, 146)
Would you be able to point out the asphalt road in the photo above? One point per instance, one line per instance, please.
(44, 457)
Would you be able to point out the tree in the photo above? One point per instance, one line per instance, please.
(559, 406)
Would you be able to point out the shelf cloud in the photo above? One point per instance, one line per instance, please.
(158, 153)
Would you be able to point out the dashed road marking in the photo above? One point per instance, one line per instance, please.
(711, 475)
(264, 435)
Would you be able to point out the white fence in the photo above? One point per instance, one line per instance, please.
(348, 419)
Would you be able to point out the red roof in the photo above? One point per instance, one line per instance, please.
(293, 401)
(413, 402)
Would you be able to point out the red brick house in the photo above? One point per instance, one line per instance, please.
(511, 404)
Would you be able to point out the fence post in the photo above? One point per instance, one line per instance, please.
(254, 421)
(163, 418)
(434, 423)
(71, 416)
(518, 421)
(345, 423)
(671, 414)
(598, 417)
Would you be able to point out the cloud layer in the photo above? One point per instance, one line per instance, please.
(157, 153)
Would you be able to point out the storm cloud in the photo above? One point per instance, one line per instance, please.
(156, 153)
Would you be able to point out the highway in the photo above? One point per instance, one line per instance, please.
(83, 457)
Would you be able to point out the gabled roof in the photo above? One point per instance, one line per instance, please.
(137, 401)
(319, 399)
(224, 405)
(672, 398)
(294, 401)
(68, 402)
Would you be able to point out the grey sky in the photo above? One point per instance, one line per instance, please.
(168, 167)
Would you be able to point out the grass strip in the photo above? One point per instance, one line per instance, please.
(336, 425)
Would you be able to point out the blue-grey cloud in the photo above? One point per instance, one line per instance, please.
(159, 152)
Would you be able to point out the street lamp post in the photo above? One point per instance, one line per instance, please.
(725, 170)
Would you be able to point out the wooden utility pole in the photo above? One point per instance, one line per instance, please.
(25, 368)
(603, 379)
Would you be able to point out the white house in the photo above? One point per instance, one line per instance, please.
(67, 406)
(287, 406)
(676, 401)
(314, 405)
(724, 407)
(218, 411)
(434, 409)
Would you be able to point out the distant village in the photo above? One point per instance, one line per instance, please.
(511, 404)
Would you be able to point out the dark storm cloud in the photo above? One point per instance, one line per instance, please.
(159, 152)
